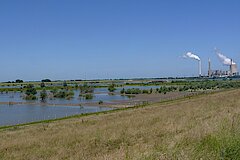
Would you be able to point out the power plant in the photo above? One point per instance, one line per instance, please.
(233, 71)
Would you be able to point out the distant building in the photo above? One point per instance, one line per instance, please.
(233, 71)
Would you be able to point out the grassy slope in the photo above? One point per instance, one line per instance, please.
(206, 127)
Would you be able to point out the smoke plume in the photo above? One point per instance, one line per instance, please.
(192, 56)
(225, 60)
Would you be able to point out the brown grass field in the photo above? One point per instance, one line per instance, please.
(204, 127)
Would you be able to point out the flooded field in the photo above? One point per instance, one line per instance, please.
(100, 94)
(15, 109)
(18, 114)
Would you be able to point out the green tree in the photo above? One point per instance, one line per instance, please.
(63, 94)
(46, 80)
(85, 88)
(76, 86)
(111, 88)
(64, 84)
(88, 96)
(30, 92)
(43, 95)
(19, 81)
(42, 85)
(122, 91)
(145, 91)
(151, 91)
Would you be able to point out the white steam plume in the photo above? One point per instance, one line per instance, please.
(192, 56)
(225, 60)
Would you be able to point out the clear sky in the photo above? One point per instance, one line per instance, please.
(78, 39)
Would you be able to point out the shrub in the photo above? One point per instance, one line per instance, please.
(76, 86)
(42, 85)
(122, 91)
(133, 91)
(86, 89)
(100, 102)
(151, 91)
(64, 84)
(145, 91)
(19, 81)
(30, 97)
(88, 96)
(46, 80)
(43, 95)
(64, 94)
(30, 90)
(111, 88)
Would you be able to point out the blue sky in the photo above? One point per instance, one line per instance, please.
(78, 39)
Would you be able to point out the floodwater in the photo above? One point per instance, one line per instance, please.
(105, 97)
(10, 86)
(18, 114)
(100, 94)
(11, 97)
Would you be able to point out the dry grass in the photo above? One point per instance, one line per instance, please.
(205, 127)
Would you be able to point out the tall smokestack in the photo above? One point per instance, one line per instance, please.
(200, 68)
(209, 68)
(231, 70)
(195, 57)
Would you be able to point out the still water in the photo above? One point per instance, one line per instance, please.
(100, 94)
(18, 114)
(105, 97)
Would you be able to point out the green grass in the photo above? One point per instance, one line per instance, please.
(199, 127)
(140, 105)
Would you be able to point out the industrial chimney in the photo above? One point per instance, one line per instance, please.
(195, 57)
(200, 68)
(231, 72)
(209, 68)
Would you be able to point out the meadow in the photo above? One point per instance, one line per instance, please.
(201, 127)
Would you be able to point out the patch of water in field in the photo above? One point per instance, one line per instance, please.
(17, 97)
(105, 97)
(6, 87)
(11, 97)
(100, 94)
(18, 114)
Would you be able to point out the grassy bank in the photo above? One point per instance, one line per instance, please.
(116, 109)
(205, 127)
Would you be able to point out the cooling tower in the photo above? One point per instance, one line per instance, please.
(233, 68)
